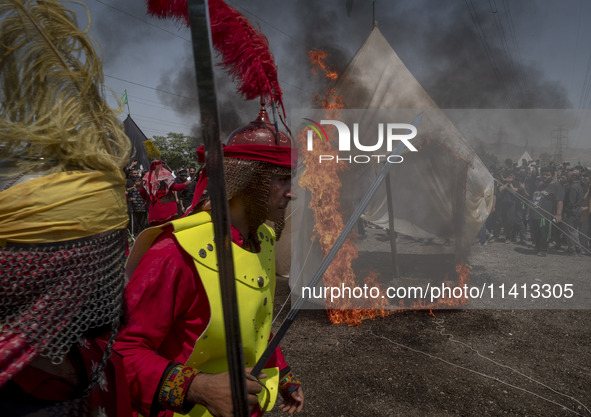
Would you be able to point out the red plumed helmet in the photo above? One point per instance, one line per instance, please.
(259, 132)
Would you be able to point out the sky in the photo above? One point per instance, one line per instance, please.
(467, 54)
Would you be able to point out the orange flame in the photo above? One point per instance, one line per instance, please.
(317, 59)
(463, 273)
(329, 223)
(324, 185)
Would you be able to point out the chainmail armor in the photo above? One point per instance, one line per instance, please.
(251, 181)
(51, 294)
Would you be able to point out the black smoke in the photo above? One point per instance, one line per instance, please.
(438, 41)
(454, 48)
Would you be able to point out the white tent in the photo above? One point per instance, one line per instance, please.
(525, 156)
(378, 79)
(442, 191)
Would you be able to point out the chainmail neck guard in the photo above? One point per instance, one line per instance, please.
(51, 294)
(250, 181)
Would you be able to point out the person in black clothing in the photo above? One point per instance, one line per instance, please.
(193, 173)
(559, 238)
(573, 202)
(521, 197)
(132, 176)
(138, 208)
(585, 218)
(132, 166)
(505, 207)
(180, 203)
(186, 196)
(546, 210)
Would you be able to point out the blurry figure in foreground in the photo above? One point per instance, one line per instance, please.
(62, 220)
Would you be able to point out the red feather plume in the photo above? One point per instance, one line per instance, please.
(176, 9)
(244, 50)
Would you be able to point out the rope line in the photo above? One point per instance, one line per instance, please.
(451, 338)
(296, 281)
(543, 213)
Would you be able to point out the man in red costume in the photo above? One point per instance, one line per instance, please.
(174, 344)
(158, 190)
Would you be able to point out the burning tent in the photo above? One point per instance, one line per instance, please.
(445, 190)
(442, 191)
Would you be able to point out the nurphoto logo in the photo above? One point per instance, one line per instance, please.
(390, 133)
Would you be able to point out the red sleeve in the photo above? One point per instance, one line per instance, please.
(277, 359)
(178, 187)
(160, 290)
(144, 193)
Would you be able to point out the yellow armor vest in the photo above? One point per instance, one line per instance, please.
(255, 290)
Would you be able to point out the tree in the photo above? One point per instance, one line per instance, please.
(178, 150)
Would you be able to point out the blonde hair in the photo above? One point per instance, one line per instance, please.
(53, 110)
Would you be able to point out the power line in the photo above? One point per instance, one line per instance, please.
(258, 18)
(282, 81)
(143, 21)
(505, 46)
(160, 125)
(159, 130)
(513, 36)
(262, 20)
(161, 121)
(149, 102)
(146, 102)
(152, 88)
(188, 40)
(487, 49)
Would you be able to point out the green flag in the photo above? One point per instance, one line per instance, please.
(124, 97)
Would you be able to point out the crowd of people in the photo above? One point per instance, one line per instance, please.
(547, 207)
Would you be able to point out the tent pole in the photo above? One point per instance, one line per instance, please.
(392, 233)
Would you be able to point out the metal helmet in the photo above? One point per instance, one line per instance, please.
(259, 132)
(250, 180)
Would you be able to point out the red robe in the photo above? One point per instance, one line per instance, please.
(168, 311)
(160, 212)
(35, 390)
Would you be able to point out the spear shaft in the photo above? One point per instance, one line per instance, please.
(201, 36)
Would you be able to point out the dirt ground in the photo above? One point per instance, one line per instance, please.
(487, 359)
